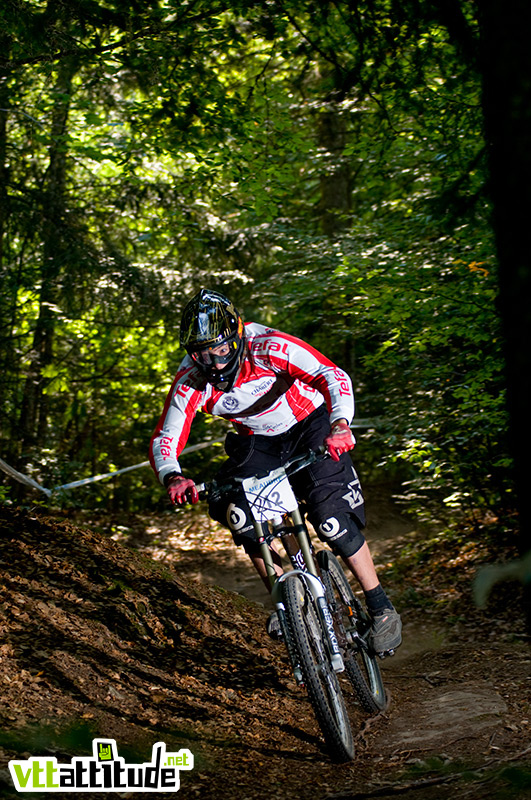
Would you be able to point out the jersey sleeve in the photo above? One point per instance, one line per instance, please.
(301, 361)
(173, 428)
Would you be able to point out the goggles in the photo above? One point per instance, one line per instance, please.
(222, 354)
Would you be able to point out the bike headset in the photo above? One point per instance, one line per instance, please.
(210, 321)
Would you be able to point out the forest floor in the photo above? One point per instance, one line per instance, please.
(149, 629)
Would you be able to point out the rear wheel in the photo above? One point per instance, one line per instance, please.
(361, 665)
(320, 679)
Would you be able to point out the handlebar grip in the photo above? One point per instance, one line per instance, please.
(202, 490)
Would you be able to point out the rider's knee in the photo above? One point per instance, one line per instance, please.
(341, 533)
(348, 546)
(237, 518)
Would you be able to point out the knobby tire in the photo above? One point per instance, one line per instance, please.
(361, 666)
(320, 679)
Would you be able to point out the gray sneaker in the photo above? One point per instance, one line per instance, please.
(386, 631)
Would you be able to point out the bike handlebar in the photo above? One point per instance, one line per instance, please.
(293, 465)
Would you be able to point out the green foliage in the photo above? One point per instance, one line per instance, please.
(433, 361)
(415, 322)
(323, 164)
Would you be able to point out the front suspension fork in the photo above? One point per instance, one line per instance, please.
(316, 589)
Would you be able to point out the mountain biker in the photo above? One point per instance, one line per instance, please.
(283, 398)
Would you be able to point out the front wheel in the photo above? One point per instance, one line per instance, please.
(352, 626)
(319, 677)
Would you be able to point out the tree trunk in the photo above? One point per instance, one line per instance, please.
(506, 69)
(335, 180)
(34, 411)
(3, 173)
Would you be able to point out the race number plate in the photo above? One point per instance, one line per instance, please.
(270, 496)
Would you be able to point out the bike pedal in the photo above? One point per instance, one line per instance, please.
(386, 653)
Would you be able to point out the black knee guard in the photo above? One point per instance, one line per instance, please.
(236, 516)
(340, 532)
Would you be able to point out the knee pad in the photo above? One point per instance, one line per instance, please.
(236, 516)
(340, 532)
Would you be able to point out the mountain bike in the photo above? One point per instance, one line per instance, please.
(322, 623)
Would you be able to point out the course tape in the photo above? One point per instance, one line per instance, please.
(18, 476)
(365, 423)
(65, 486)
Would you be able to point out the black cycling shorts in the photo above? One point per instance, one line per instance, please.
(330, 490)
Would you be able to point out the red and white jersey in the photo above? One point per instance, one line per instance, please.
(281, 381)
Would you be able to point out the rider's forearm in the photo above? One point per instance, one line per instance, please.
(162, 458)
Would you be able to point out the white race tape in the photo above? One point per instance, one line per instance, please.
(18, 476)
(99, 477)
(30, 482)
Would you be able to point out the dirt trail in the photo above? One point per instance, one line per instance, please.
(460, 693)
(98, 641)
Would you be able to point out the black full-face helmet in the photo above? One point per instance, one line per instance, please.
(212, 333)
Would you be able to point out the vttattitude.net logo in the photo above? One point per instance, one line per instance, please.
(104, 771)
